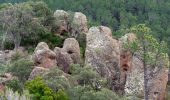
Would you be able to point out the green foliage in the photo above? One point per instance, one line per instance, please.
(41, 91)
(81, 38)
(15, 85)
(57, 79)
(87, 93)
(21, 69)
(132, 46)
(87, 76)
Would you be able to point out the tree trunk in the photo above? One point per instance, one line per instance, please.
(146, 92)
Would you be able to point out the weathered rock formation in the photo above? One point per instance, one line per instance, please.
(135, 78)
(116, 63)
(132, 72)
(102, 54)
(63, 59)
(71, 46)
(79, 24)
(43, 56)
(61, 22)
(73, 24)
(157, 85)
(69, 54)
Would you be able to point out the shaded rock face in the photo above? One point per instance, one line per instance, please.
(125, 57)
(102, 54)
(37, 71)
(157, 85)
(79, 24)
(63, 59)
(43, 56)
(71, 46)
(132, 73)
(135, 78)
(69, 54)
(65, 22)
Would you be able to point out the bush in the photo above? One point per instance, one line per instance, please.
(87, 93)
(21, 69)
(15, 85)
(57, 79)
(87, 76)
(41, 91)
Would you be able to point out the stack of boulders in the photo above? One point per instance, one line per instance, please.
(74, 24)
(44, 58)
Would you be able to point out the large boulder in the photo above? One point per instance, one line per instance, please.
(71, 46)
(61, 22)
(102, 53)
(79, 24)
(69, 54)
(74, 24)
(64, 60)
(43, 56)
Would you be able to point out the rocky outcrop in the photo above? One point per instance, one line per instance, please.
(63, 59)
(69, 54)
(61, 22)
(73, 24)
(79, 24)
(37, 71)
(71, 46)
(132, 72)
(135, 78)
(102, 54)
(43, 56)
(125, 57)
(157, 85)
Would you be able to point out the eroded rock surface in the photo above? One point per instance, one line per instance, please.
(73, 24)
(79, 24)
(69, 54)
(64, 60)
(43, 56)
(61, 22)
(102, 54)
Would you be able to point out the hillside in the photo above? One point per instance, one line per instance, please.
(84, 50)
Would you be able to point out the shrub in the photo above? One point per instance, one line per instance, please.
(57, 79)
(87, 93)
(15, 85)
(41, 91)
(87, 76)
(21, 69)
